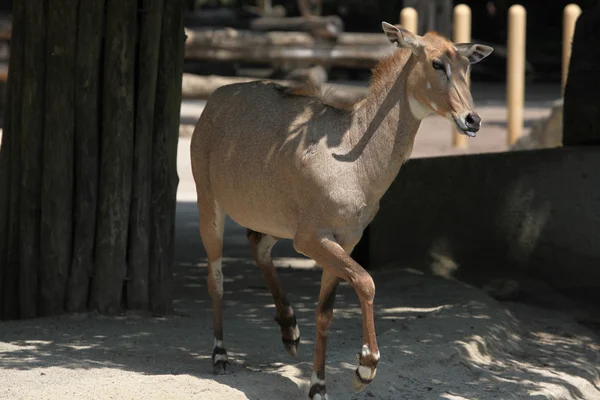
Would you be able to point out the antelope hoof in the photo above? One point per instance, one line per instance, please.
(361, 383)
(317, 388)
(367, 368)
(291, 346)
(220, 362)
(290, 333)
(319, 396)
(220, 367)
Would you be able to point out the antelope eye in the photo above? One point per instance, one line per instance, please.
(437, 64)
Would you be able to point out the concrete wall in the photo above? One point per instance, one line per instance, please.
(521, 215)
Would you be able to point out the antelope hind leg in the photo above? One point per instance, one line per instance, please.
(261, 249)
(323, 319)
(212, 221)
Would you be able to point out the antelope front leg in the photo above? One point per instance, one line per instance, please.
(326, 252)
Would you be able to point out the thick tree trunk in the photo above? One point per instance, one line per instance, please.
(87, 145)
(32, 140)
(164, 171)
(139, 237)
(88, 161)
(116, 155)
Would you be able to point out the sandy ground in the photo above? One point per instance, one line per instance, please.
(439, 339)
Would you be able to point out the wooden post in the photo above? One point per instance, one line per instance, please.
(461, 34)
(570, 16)
(56, 231)
(34, 92)
(5, 150)
(265, 6)
(164, 168)
(443, 16)
(307, 9)
(12, 132)
(434, 15)
(515, 80)
(4, 197)
(87, 147)
(116, 157)
(190, 5)
(139, 237)
(409, 19)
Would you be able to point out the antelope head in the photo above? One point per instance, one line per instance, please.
(438, 82)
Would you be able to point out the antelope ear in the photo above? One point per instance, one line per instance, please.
(402, 38)
(473, 51)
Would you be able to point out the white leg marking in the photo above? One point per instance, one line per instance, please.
(366, 350)
(217, 273)
(264, 247)
(219, 357)
(315, 380)
(296, 333)
(428, 85)
(434, 106)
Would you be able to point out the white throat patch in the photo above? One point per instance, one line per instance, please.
(420, 111)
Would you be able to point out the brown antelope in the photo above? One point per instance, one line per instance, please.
(285, 164)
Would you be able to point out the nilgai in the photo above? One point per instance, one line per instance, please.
(286, 164)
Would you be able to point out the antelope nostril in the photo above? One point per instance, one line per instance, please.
(473, 120)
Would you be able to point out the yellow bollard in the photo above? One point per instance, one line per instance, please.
(461, 34)
(409, 19)
(571, 13)
(515, 71)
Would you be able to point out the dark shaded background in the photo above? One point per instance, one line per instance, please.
(490, 20)
(544, 26)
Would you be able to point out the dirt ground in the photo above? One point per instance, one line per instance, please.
(439, 339)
